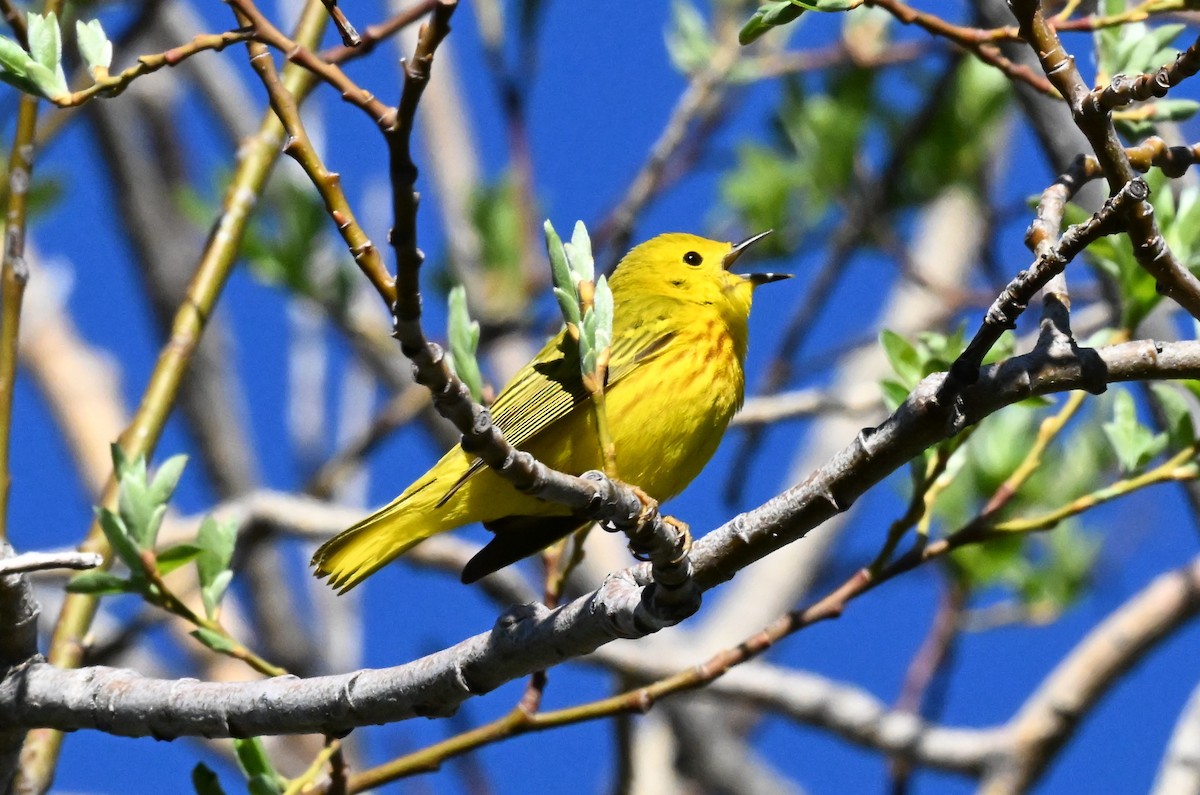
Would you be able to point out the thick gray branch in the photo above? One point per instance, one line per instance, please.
(532, 638)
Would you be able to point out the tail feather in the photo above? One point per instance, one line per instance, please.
(354, 554)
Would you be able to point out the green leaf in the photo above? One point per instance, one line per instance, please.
(565, 289)
(769, 16)
(99, 583)
(689, 42)
(135, 506)
(15, 64)
(1174, 109)
(1063, 570)
(120, 541)
(905, 360)
(260, 773)
(894, 394)
(998, 560)
(1181, 431)
(579, 254)
(464, 341)
(213, 640)
(174, 557)
(205, 781)
(126, 468)
(1134, 443)
(94, 46)
(603, 305)
(167, 478)
(45, 45)
(216, 541)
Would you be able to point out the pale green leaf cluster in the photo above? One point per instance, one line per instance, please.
(933, 352)
(1136, 48)
(132, 533)
(94, 46)
(39, 70)
(573, 265)
(463, 334)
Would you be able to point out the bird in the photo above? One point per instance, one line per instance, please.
(675, 379)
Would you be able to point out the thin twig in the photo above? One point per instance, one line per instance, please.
(674, 595)
(373, 35)
(1121, 89)
(113, 85)
(1150, 249)
(973, 40)
(49, 561)
(1003, 313)
(345, 29)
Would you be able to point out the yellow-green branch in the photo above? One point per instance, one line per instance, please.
(40, 753)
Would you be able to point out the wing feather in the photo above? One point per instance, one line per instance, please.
(550, 386)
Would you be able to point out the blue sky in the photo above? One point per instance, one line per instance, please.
(602, 92)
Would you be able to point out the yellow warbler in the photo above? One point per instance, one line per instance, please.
(674, 381)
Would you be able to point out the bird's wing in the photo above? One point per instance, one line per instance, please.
(550, 386)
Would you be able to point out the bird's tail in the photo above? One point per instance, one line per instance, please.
(354, 554)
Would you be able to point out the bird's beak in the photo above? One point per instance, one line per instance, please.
(755, 278)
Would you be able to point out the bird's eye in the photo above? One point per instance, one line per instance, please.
(692, 258)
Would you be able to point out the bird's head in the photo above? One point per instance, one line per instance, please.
(691, 269)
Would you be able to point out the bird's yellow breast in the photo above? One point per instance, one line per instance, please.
(667, 416)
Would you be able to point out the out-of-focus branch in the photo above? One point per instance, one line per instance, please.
(769, 409)
(1051, 714)
(40, 753)
(1180, 769)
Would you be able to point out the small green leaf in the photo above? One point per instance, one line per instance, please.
(205, 781)
(579, 254)
(216, 540)
(894, 394)
(99, 583)
(126, 468)
(213, 640)
(45, 39)
(135, 507)
(214, 592)
(464, 341)
(153, 525)
(1134, 443)
(603, 306)
(565, 289)
(264, 785)
(45, 45)
(689, 42)
(903, 357)
(261, 775)
(120, 541)
(1181, 431)
(174, 557)
(769, 16)
(167, 478)
(1174, 109)
(94, 46)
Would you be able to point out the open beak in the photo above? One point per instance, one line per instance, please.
(755, 278)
